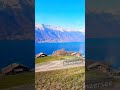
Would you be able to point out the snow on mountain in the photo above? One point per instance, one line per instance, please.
(57, 28)
(39, 26)
(54, 28)
(48, 33)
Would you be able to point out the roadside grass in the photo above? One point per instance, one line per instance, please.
(8, 81)
(95, 75)
(65, 79)
(54, 58)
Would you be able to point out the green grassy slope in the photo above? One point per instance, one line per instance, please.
(16, 80)
(67, 79)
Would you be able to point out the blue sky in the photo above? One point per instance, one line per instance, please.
(64, 13)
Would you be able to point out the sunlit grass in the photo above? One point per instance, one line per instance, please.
(53, 58)
(67, 79)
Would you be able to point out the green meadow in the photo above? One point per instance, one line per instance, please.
(8, 81)
(54, 58)
(65, 79)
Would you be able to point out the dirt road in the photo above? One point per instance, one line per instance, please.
(55, 65)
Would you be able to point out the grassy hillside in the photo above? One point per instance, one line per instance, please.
(16, 80)
(67, 79)
(53, 58)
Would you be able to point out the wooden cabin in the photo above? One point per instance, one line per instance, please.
(40, 55)
(76, 54)
(14, 68)
(99, 67)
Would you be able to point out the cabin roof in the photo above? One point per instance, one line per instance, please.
(95, 64)
(10, 67)
(39, 54)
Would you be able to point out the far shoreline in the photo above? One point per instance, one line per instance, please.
(59, 42)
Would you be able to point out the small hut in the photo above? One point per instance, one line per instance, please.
(14, 68)
(40, 55)
(76, 54)
(99, 67)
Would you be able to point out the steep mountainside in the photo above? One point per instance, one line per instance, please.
(47, 33)
(16, 19)
(102, 25)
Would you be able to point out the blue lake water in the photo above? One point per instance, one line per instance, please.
(13, 51)
(49, 48)
(23, 52)
(103, 50)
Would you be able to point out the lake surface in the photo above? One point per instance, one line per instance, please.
(17, 51)
(103, 50)
(49, 48)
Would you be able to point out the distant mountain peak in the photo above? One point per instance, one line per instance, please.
(56, 28)
(48, 33)
(43, 27)
(39, 26)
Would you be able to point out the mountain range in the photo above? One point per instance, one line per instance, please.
(48, 33)
(16, 19)
(102, 24)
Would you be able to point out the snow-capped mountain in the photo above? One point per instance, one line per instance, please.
(48, 33)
